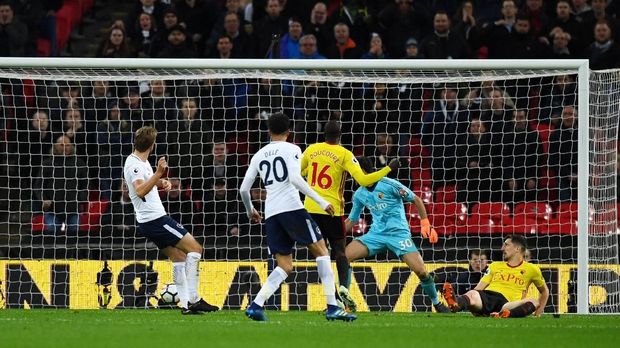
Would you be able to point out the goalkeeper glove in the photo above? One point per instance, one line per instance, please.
(428, 231)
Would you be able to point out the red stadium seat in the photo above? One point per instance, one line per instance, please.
(38, 224)
(445, 216)
(539, 211)
(476, 225)
(424, 192)
(558, 227)
(495, 211)
(520, 224)
(446, 194)
(91, 220)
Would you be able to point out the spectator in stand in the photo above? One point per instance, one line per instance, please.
(465, 25)
(289, 43)
(220, 165)
(31, 153)
(442, 43)
(319, 27)
(554, 96)
(199, 19)
(383, 151)
(559, 47)
(535, 13)
(178, 47)
(311, 111)
(439, 131)
(220, 26)
(600, 13)
(95, 104)
(115, 46)
(13, 33)
(134, 109)
(495, 35)
(179, 204)
(153, 7)
(583, 11)
(478, 263)
(219, 227)
(120, 219)
(359, 18)
(475, 173)
(411, 49)
(114, 137)
(522, 157)
(271, 26)
(160, 40)
(523, 45)
(401, 20)
(376, 48)
(188, 141)
(379, 105)
(31, 13)
(160, 102)
(565, 21)
(225, 48)
(73, 129)
(308, 48)
(344, 47)
(144, 34)
(63, 186)
(243, 46)
(563, 155)
(604, 52)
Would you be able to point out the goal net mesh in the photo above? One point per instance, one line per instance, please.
(490, 152)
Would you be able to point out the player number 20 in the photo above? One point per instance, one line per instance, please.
(276, 175)
(322, 179)
(406, 243)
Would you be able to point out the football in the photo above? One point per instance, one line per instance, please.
(169, 294)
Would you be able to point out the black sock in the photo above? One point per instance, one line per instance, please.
(342, 264)
(523, 310)
(463, 302)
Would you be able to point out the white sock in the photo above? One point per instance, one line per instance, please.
(271, 285)
(178, 277)
(324, 266)
(191, 269)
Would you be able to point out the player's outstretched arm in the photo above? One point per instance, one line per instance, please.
(426, 229)
(144, 187)
(368, 179)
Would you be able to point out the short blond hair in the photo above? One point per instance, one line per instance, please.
(145, 138)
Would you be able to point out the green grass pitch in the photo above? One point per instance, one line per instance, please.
(296, 329)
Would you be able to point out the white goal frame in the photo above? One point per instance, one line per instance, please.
(579, 65)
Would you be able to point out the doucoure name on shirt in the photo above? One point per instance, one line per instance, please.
(324, 153)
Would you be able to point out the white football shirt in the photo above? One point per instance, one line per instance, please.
(150, 207)
(279, 167)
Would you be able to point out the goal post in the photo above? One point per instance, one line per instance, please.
(596, 103)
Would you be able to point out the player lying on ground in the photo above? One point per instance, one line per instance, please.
(326, 166)
(287, 222)
(502, 289)
(170, 236)
(390, 230)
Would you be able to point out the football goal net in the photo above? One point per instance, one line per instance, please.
(493, 148)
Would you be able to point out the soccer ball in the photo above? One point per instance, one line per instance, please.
(169, 294)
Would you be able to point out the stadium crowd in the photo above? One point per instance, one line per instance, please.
(509, 141)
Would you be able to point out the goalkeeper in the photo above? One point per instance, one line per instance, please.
(390, 230)
(326, 165)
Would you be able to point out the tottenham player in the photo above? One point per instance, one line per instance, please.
(287, 222)
(169, 236)
(326, 166)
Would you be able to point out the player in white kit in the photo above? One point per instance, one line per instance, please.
(287, 222)
(169, 236)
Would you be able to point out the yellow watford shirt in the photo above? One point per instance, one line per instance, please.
(326, 167)
(512, 282)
